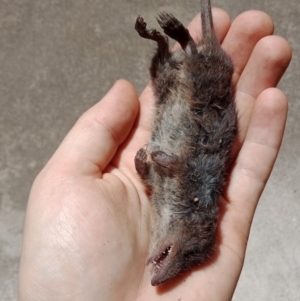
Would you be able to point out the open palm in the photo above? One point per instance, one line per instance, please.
(87, 229)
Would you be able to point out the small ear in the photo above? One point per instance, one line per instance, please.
(171, 162)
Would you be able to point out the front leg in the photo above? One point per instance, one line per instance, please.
(171, 162)
(141, 163)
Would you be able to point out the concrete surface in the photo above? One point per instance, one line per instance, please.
(57, 58)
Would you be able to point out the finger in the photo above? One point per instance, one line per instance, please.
(255, 161)
(97, 134)
(268, 62)
(246, 30)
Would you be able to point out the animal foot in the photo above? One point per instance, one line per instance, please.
(175, 30)
(172, 162)
(171, 26)
(141, 28)
(140, 25)
(141, 164)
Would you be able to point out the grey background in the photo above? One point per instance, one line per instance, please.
(57, 58)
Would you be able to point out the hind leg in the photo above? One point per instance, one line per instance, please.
(153, 34)
(175, 30)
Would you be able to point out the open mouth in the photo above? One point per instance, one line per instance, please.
(159, 259)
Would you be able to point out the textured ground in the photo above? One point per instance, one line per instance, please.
(57, 58)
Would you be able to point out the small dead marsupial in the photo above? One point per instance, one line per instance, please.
(185, 163)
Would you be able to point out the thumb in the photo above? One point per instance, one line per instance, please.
(97, 134)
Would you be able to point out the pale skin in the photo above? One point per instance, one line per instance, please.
(87, 228)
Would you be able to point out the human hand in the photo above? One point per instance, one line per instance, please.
(87, 228)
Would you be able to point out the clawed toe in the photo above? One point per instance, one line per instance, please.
(168, 22)
(140, 24)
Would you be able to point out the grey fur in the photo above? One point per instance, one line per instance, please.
(185, 162)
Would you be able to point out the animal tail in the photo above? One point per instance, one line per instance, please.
(207, 21)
